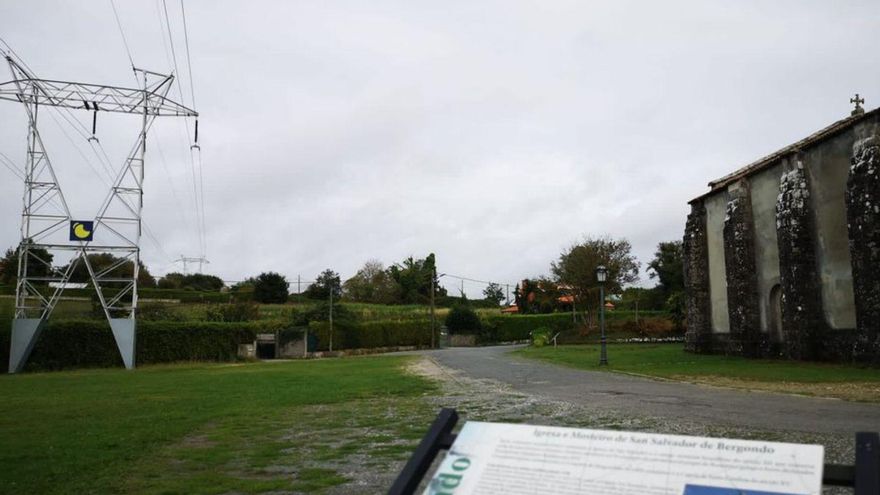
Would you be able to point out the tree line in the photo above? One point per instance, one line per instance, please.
(570, 286)
(408, 282)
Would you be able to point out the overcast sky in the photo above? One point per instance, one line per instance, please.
(493, 134)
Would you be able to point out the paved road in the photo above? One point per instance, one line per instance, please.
(640, 396)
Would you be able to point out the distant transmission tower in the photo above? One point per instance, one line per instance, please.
(185, 260)
(47, 223)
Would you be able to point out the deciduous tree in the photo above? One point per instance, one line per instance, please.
(372, 284)
(39, 264)
(576, 268)
(326, 282)
(668, 267)
(493, 292)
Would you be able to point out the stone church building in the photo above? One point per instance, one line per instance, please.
(782, 257)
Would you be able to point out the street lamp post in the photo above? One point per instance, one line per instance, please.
(601, 274)
(331, 317)
(434, 279)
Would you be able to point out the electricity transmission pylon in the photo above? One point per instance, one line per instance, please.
(45, 213)
(186, 260)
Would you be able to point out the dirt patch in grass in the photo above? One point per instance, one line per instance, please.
(853, 391)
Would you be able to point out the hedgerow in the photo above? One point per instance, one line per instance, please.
(370, 335)
(67, 344)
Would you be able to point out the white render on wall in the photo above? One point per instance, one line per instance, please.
(716, 207)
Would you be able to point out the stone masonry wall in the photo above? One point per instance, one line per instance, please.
(799, 279)
(696, 276)
(863, 222)
(746, 338)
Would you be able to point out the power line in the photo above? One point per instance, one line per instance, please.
(192, 94)
(192, 91)
(199, 204)
(173, 51)
(484, 282)
(12, 168)
(124, 41)
(79, 151)
(163, 161)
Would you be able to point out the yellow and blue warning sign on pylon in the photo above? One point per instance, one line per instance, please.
(82, 230)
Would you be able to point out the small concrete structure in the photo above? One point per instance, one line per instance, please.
(247, 351)
(269, 346)
(782, 257)
(459, 340)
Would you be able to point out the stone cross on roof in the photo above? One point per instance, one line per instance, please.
(858, 110)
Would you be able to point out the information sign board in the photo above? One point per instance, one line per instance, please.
(497, 458)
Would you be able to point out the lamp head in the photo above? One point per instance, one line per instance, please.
(601, 273)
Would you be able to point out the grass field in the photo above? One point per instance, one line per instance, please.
(207, 428)
(670, 361)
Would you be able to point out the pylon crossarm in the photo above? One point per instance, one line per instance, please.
(92, 97)
(93, 248)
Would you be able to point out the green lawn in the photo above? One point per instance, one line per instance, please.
(670, 361)
(206, 428)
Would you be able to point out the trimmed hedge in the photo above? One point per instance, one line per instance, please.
(89, 343)
(509, 328)
(369, 335)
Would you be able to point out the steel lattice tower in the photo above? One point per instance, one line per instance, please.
(45, 212)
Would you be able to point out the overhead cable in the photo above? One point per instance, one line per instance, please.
(122, 32)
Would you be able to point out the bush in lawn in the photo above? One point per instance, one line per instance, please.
(463, 320)
(540, 337)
